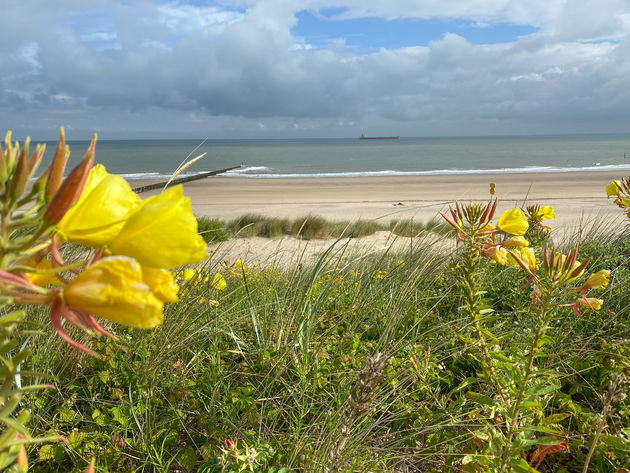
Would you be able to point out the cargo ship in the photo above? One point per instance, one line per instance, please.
(363, 137)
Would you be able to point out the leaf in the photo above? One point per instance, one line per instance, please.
(615, 442)
(497, 355)
(121, 415)
(104, 376)
(187, 458)
(554, 419)
(521, 466)
(481, 399)
(464, 384)
(490, 336)
(541, 388)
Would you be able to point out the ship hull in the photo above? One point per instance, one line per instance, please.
(379, 137)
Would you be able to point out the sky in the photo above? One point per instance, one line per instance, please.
(314, 68)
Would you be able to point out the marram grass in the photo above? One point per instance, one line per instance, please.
(311, 227)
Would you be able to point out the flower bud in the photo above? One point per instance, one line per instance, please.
(69, 192)
(20, 174)
(58, 165)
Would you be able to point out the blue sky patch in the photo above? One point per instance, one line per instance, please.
(369, 34)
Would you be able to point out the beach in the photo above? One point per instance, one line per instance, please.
(579, 200)
(576, 196)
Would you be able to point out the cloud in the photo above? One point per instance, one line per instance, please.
(236, 68)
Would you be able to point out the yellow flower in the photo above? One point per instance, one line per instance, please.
(188, 274)
(101, 211)
(113, 288)
(161, 283)
(529, 258)
(515, 242)
(591, 302)
(545, 213)
(41, 278)
(513, 221)
(596, 280)
(162, 233)
(496, 254)
(614, 188)
(218, 282)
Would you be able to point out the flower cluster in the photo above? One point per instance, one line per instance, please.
(560, 270)
(126, 246)
(620, 190)
(536, 214)
(498, 242)
(506, 245)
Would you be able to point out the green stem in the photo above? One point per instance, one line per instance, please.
(471, 289)
(533, 351)
(598, 432)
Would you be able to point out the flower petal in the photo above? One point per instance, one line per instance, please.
(113, 288)
(162, 233)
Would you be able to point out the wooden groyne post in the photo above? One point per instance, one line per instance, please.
(181, 180)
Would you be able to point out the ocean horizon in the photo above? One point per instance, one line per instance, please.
(351, 157)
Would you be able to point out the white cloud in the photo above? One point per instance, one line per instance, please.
(152, 60)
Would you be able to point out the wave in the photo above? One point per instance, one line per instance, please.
(265, 172)
(259, 171)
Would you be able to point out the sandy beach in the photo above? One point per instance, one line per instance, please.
(578, 198)
(575, 195)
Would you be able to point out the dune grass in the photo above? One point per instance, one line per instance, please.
(310, 227)
(356, 363)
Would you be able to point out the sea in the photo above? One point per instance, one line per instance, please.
(316, 158)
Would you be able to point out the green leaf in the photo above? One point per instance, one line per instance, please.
(481, 399)
(121, 415)
(464, 384)
(187, 458)
(615, 442)
(541, 388)
(497, 355)
(521, 466)
(489, 335)
(104, 376)
(554, 419)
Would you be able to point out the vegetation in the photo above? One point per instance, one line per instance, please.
(310, 227)
(508, 355)
(368, 367)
